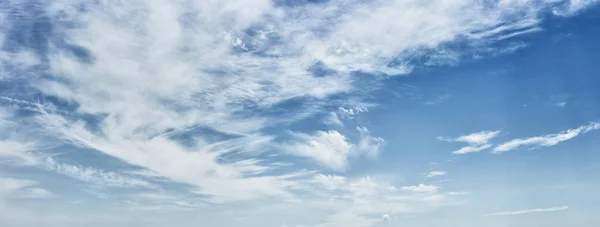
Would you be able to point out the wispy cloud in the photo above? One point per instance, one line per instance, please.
(196, 92)
(421, 188)
(546, 140)
(518, 212)
(477, 141)
(94, 176)
(20, 188)
(436, 173)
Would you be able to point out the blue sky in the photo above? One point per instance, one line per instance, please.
(299, 113)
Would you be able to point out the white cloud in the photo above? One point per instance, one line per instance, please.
(458, 193)
(35, 193)
(10, 184)
(368, 144)
(351, 112)
(471, 149)
(385, 217)
(17, 152)
(333, 119)
(94, 176)
(477, 138)
(169, 67)
(363, 199)
(20, 188)
(26, 153)
(328, 148)
(436, 173)
(332, 149)
(420, 188)
(546, 140)
(518, 212)
(477, 141)
(330, 181)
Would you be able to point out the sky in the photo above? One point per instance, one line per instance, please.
(299, 113)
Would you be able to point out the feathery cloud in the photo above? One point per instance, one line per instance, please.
(546, 140)
(477, 141)
(230, 68)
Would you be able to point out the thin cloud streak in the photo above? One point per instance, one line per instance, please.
(546, 140)
(519, 212)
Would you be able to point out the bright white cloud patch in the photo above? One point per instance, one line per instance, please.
(329, 148)
(477, 141)
(332, 149)
(546, 140)
(519, 212)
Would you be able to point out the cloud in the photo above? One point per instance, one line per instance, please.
(17, 152)
(519, 212)
(472, 149)
(328, 148)
(458, 193)
(385, 217)
(332, 149)
(363, 200)
(477, 138)
(330, 181)
(333, 119)
(477, 141)
(35, 193)
(351, 112)
(94, 176)
(27, 154)
(197, 91)
(420, 188)
(20, 188)
(546, 140)
(15, 184)
(368, 144)
(436, 173)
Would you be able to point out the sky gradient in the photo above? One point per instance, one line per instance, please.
(307, 113)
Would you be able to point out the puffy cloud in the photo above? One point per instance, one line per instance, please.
(546, 140)
(385, 217)
(328, 148)
(332, 149)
